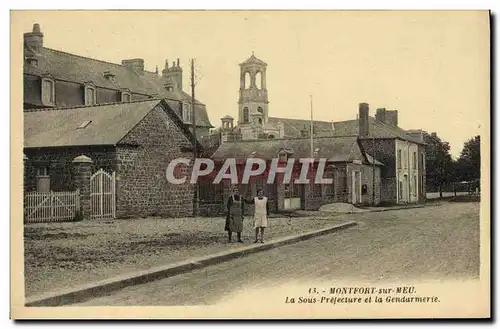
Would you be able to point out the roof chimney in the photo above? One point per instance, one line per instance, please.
(136, 64)
(173, 74)
(34, 39)
(391, 117)
(380, 116)
(363, 120)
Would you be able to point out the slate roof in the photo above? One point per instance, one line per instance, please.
(335, 149)
(380, 130)
(70, 67)
(293, 127)
(109, 123)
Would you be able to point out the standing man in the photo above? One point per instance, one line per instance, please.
(234, 219)
(261, 211)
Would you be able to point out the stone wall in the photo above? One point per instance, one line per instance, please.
(366, 179)
(385, 152)
(59, 162)
(142, 187)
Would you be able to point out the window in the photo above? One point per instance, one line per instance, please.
(186, 112)
(260, 121)
(126, 97)
(48, 91)
(247, 81)
(414, 188)
(84, 124)
(400, 190)
(422, 161)
(399, 159)
(245, 115)
(42, 171)
(317, 190)
(282, 157)
(32, 61)
(90, 96)
(42, 179)
(258, 80)
(415, 160)
(260, 110)
(169, 85)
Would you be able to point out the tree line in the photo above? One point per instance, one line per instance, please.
(443, 172)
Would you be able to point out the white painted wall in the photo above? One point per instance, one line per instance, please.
(407, 172)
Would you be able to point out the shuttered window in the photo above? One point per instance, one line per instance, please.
(48, 92)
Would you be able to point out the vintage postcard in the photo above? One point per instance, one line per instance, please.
(250, 164)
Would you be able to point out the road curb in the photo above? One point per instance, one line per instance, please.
(395, 208)
(105, 287)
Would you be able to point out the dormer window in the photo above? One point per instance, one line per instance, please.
(90, 94)
(169, 86)
(282, 156)
(126, 96)
(48, 91)
(84, 124)
(186, 112)
(109, 76)
(32, 61)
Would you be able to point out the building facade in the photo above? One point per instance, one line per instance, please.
(354, 175)
(56, 79)
(136, 141)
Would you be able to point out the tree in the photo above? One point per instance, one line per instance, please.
(469, 163)
(439, 164)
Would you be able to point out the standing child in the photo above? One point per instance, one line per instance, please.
(261, 211)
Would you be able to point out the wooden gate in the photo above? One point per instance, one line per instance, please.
(102, 195)
(43, 207)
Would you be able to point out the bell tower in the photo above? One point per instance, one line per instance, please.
(253, 100)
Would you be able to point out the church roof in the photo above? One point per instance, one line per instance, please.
(253, 60)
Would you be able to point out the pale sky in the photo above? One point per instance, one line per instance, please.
(433, 67)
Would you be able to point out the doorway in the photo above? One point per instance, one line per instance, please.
(356, 187)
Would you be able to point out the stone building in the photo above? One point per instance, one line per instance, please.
(136, 140)
(401, 152)
(56, 79)
(348, 165)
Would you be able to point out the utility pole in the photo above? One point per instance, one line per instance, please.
(373, 162)
(312, 128)
(195, 141)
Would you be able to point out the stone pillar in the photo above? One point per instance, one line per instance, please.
(82, 173)
(280, 192)
(252, 80)
(25, 173)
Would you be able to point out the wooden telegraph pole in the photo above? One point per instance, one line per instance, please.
(373, 162)
(195, 141)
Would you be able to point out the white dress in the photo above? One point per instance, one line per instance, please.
(260, 212)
